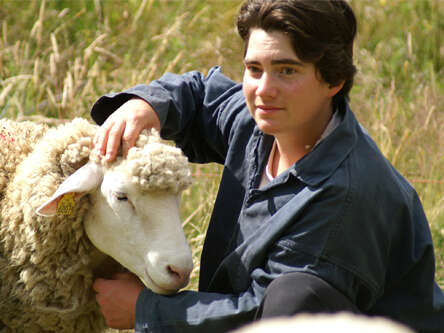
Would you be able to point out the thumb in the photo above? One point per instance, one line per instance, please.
(98, 285)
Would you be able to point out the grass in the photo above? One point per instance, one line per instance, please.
(58, 57)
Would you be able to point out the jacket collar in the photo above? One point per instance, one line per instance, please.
(320, 164)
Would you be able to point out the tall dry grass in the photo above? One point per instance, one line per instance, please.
(58, 57)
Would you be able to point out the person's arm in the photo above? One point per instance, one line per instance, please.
(187, 311)
(196, 312)
(193, 110)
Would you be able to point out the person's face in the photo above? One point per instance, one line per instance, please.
(284, 95)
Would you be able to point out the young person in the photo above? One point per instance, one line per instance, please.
(310, 217)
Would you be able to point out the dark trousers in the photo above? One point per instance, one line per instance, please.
(294, 293)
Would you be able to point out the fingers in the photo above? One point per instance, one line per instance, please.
(101, 138)
(99, 285)
(113, 134)
(108, 137)
(114, 138)
(117, 300)
(130, 135)
(124, 126)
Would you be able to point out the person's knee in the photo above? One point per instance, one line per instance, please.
(291, 293)
(301, 292)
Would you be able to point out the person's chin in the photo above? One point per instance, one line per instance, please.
(267, 127)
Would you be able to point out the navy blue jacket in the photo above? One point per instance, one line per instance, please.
(342, 213)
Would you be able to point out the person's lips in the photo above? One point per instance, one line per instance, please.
(267, 109)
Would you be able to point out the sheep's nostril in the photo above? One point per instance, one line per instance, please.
(173, 271)
(179, 275)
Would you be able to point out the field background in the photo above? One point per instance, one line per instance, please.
(58, 57)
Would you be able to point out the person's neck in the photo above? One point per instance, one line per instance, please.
(284, 158)
(291, 148)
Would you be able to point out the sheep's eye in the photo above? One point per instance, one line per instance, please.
(121, 196)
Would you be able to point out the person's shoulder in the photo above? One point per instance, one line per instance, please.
(216, 79)
(370, 181)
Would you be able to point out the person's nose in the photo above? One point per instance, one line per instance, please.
(266, 86)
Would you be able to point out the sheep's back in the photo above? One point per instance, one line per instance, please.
(17, 140)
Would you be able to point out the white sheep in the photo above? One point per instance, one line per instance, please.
(342, 322)
(58, 196)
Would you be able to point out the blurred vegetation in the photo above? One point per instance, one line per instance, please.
(57, 57)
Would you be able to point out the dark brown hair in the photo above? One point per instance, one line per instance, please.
(321, 32)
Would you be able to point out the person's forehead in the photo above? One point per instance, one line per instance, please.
(274, 45)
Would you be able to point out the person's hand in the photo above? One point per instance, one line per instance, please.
(124, 126)
(117, 299)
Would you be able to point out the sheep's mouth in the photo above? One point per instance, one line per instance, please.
(150, 284)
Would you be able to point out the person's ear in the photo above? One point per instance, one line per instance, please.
(333, 90)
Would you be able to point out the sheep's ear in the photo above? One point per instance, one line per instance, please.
(84, 180)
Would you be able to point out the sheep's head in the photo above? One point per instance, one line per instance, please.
(135, 211)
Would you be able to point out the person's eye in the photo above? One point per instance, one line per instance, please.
(287, 71)
(254, 70)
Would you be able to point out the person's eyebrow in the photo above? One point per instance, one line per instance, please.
(283, 61)
(286, 61)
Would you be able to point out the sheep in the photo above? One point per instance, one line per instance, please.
(64, 211)
(342, 322)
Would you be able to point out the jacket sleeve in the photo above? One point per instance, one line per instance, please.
(196, 112)
(192, 311)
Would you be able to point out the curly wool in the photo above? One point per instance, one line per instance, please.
(341, 322)
(46, 269)
(16, 142)
(47, 264)
(157, 167)
(152, 164)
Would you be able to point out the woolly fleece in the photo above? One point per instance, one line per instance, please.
(46, 264)
(342, 322)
